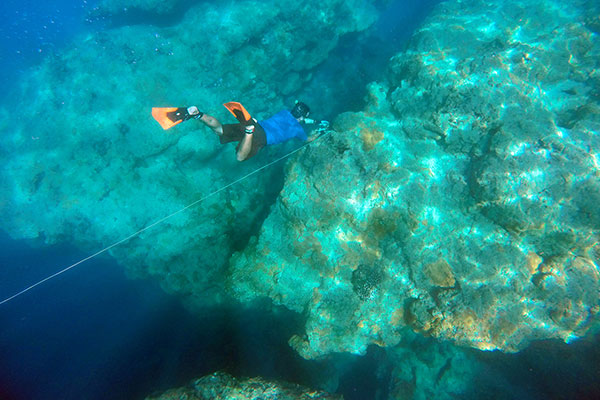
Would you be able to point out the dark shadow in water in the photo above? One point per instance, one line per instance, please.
(366, 377)
(548, 369)
(361, 58)
(268, 194)
(92, 333)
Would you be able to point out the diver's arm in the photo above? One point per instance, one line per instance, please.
(313, 135)
(246, 144)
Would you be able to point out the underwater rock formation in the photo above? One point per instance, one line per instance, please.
(222, 386)
(461, 203)
(86, 164)
(418, 368)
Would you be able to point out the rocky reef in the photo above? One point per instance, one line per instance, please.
(461, 203)
(86, 164)
(222, 386)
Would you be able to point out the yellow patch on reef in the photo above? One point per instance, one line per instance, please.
(466, 325)
(370, 136)
(533, 262)
(309, 247)
(317, 296)
(587, 266)
(432, 326)
(466, 320)
(440, 273)
(388, 167)
(397, 317)
(504, 328)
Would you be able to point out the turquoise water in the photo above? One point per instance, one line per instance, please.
(439, 241)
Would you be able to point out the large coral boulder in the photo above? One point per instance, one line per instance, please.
(460, 204)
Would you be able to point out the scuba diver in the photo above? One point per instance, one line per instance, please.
(251, 135)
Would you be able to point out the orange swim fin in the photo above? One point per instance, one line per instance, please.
(239, 112)
(168, 117)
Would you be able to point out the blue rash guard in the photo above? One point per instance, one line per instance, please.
(281, 127)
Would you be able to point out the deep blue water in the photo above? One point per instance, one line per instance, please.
(31, 30)
(92, 331)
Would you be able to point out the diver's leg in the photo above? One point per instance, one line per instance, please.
(212, 123)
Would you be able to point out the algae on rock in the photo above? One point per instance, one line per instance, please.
(469, 179)
(222, 386)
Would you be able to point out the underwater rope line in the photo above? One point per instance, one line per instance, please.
(104, 250)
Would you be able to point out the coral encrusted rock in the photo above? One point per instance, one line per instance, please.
(87, 164)
(462, 203)
(222, 386)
